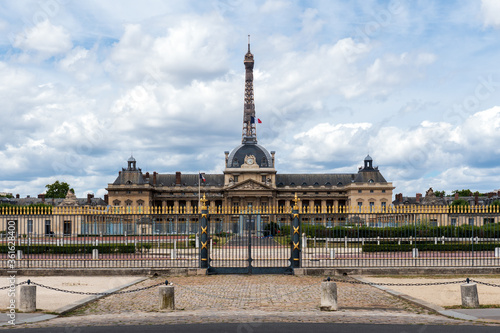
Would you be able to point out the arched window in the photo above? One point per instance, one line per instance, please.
(263, 162)
(235, 162)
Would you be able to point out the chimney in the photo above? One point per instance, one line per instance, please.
(419, 196)
(476, 199)
(272, 156)
(17, 196)
(178, 178)
(490, 195)
(42, 196)
(456, 196)
(106, 199)
(89, 198)
(28, 196)
(227, 156)
(147, 174)
(399, 197)
(154, 178)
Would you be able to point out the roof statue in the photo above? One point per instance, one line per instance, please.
(70, 200)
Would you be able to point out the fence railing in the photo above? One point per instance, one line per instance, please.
(414, 236)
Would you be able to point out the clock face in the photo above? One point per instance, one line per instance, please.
(250, 161)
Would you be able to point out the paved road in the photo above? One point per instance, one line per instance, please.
(270, 328)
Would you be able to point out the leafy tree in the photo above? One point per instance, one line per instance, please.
(463, 193)
(7, 196)
(439, 193)
(57, 190)
(459, 202)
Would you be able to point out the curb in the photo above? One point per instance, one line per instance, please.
(419, 302)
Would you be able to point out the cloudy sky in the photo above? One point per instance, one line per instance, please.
(85, 84)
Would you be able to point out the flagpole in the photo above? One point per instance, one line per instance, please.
(199, 190)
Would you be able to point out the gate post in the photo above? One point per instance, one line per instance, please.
(204, 255)
(296, 248)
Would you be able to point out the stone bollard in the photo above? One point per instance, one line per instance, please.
(332, 253)
(497, 252)
(197, 242)
(19, 254)
(414, 252)
(328, 296)
(167, 299)
(95, 254)
(470, 297)
(27, 298)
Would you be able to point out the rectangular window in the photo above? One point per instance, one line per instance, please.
(67, 228)
(372, 204)
(235, 179)
(371, 191)
(359, 191)
(383, 191)
(263, 179)
(383, 206)
(30, 226)
(360, 205)
(48, 230)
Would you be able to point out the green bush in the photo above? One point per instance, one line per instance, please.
(72, 249)
(428, 247)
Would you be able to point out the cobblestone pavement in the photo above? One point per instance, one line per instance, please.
(224, 298)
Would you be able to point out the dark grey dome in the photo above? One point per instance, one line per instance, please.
(237, 156)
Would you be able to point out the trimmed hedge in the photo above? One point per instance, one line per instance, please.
(428, 247)
(72, 249)
(491, 230)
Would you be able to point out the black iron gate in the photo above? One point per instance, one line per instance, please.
(250, 243)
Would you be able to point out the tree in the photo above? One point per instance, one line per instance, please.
(459, 202)
(439, 193)
(463, 193)
(57, 190)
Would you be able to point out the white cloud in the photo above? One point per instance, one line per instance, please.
(491, 12)
(45, 38)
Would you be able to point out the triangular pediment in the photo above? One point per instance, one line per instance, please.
(250, 185)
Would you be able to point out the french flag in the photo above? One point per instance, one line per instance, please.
(202, 177)
(252, 120)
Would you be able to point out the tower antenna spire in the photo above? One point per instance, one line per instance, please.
(249, 134)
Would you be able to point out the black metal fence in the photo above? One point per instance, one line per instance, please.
(260, 238)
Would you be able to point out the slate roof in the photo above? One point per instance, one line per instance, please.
(188, 180)
(55, 202)
(334, 179)
(237, 156)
